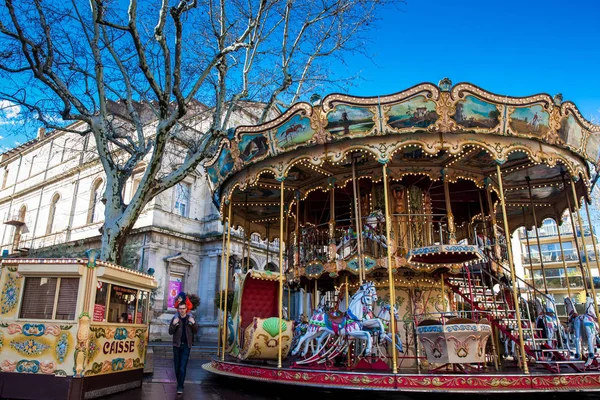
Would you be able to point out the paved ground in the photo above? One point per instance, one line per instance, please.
(204, 385)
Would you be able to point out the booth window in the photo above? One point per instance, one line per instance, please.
(49, 298)
(100, 302)
(142, 306)
(121, 307)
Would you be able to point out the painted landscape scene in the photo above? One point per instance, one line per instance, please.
(592, 147)
(475, 113)
(570, 132)
(295, 131)
(222, 167)
(253, 146)
(346, 120)
(417, 112)
(530, 120)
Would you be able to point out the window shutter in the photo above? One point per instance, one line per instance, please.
(38, 298)
(67, 298)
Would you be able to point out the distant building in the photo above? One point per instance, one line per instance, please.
(50, 205)
(562, 269)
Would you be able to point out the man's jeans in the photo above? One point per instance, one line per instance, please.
(181, 355)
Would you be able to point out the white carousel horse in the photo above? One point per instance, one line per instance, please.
(348, 324)
(384, 316)
(546, 318)
(370, 229)
(584, 327)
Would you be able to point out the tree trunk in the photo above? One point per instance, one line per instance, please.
(113, 243)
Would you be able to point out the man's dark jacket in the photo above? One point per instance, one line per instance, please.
(176, 330)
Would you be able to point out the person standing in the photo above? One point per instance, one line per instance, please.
(183, 327)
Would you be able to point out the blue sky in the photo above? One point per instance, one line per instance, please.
(510, 47)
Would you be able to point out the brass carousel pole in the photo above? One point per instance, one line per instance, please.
(587, 211)
(226, 280)
(529, 254)
(347, 292)
(297, 238)
(587, 258)
(449, 215)
(390, 274)
(281, 272)
(564, 180)
(537, 235)
(332, 247)
(221, 283)
(512, 273)
(562, 254)
(357, 221)
(493, 221)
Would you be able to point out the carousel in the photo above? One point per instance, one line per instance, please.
(391, 218)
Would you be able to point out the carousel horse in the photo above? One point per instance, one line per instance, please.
(385, 317)
(350, 323)
(371, 228)
(583, 327)
(546, 319)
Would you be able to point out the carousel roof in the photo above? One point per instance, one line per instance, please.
(462, 130)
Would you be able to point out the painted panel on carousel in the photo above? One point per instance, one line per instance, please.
(473, 112)
(10, 292)
(417, 112)
(347, 120)
(295, 131)
(219, 170)
(592, 147)
(38, 348)
(253, 147)
(533, 120)
(571, 132)
(114, 349)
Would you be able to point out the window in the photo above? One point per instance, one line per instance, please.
(49, 298)
(50, 226)
(64, 151)
(95, 208)
(142, 307)
(19, 229)
(126, 304)
(175, 287)
(5, 180)
(100, 303)
(31, 165)
(182, 199)
(121, 307)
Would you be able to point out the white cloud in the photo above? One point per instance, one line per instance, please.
(9, 112)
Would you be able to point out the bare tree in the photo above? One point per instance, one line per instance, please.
(152, 74)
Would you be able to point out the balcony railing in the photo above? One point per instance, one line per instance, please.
(552, 230)
(549, 256)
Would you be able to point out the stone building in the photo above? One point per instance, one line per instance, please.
(50, 205)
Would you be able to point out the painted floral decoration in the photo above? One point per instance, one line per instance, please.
(30, 347)
(92, 349)
(118, 364)
(121, 334)
(28, 366)
(10, 294)
(33, 329)
(62, 347)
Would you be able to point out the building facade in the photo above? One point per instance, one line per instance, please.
(563, 269)
(50, 205)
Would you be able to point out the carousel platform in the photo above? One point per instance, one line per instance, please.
(503, 381)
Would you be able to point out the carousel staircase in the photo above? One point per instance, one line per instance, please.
(499, 310)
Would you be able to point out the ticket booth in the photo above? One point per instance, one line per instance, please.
(71, 328)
